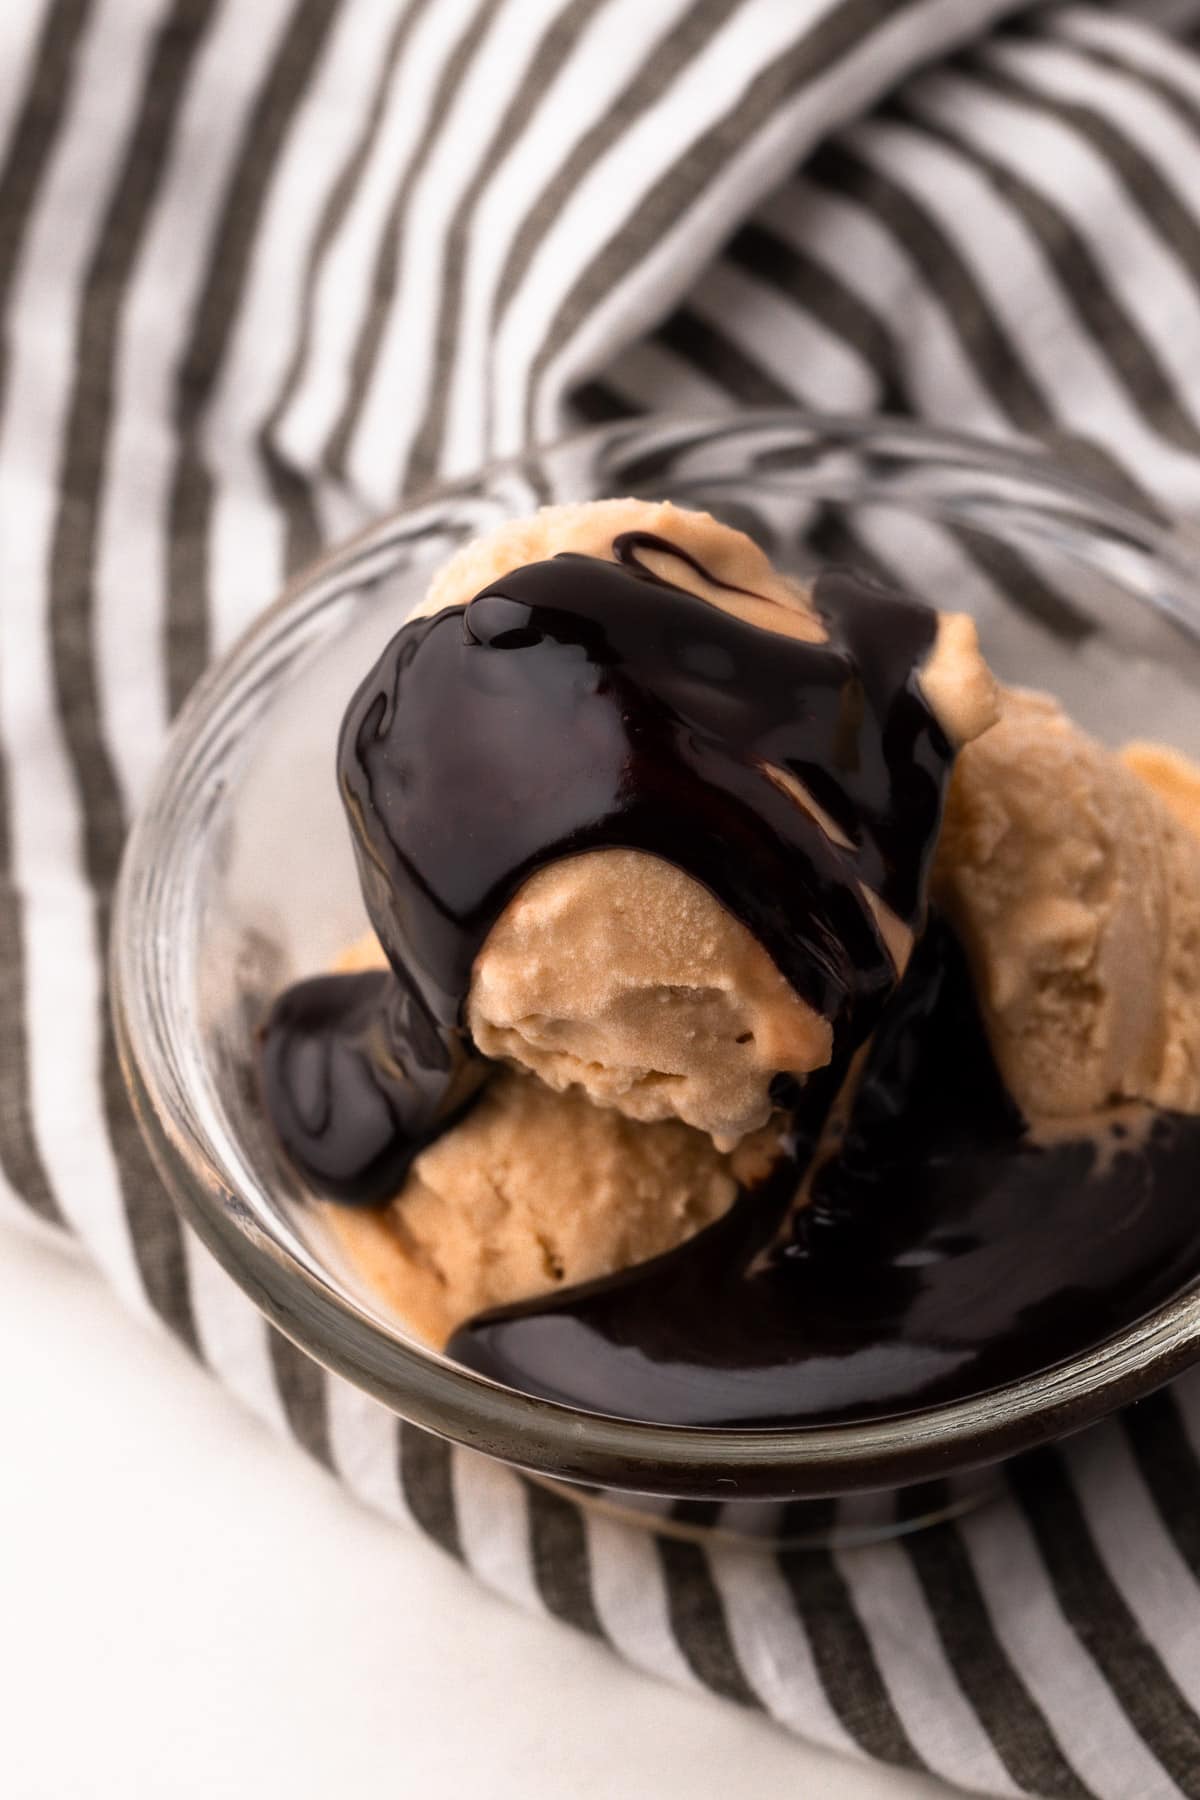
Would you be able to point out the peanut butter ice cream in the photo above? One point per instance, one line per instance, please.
(1174, 778)
(618, 973)
(535, 1190)
(531, 1193)
(1076, 891)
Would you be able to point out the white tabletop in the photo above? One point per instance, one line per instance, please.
(190, 1608)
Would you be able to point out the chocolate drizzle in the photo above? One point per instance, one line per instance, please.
(943, 1251)
(567, 709)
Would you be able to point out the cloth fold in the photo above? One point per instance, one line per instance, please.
(265, 269)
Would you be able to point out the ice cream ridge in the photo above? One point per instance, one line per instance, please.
(768, 1018)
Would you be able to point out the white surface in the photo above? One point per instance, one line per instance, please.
(190, 1608)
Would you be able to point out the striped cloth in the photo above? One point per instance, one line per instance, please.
(263, 269)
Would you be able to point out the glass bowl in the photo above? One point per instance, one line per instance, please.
(239, 877)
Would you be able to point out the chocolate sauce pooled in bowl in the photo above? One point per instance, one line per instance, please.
(563, 710)
(943, 1251)
(940, 1250)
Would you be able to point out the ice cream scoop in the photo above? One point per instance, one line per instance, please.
(531, 1192)
(617, 974)
(1076, 891)
(639, 814)
(1175, 779)
(622, 973)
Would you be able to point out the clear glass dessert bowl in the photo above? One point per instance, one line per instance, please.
(239, 878)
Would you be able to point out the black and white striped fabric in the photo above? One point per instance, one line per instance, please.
(264, 269)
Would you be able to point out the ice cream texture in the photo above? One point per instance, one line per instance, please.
(617, 972)
(534, 1190)
(1073, 880)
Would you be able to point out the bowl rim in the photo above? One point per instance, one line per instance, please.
(425, 1387)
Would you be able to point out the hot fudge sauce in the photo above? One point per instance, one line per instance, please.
(561, 712)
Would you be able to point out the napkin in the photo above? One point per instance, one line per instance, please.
(265, 269)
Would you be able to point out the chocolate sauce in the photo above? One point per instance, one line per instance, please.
(350, 1116)
(942, 1251)
(567, 709)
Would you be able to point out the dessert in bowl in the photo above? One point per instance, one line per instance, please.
(778, 1071)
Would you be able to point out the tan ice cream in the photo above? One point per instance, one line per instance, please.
(1174, 778)
(616, 972)
(531, 1191)
(534, 1191)
(1076, 892)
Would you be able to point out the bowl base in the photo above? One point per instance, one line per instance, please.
(839, 1523)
